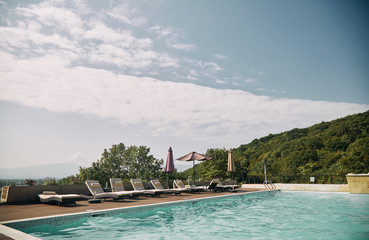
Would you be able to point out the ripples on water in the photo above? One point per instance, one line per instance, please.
(284, 215)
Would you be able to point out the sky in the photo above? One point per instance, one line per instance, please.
(77, 77)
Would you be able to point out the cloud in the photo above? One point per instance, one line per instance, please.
(220, 56)
(220, 81)
(114, 38)
(73, 59)
(250, 80)
(193, 75)
(185, 47)
(53, 30)
(160, 107)
(125, 14)
(80, 158)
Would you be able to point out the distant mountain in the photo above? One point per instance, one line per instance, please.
(58, 170)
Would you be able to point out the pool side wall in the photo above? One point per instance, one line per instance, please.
(16, 234)
(303, 187)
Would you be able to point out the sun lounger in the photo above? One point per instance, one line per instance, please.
(228, 186)
(117, 186)
(213, 185)
(178, 184)
(52, 197)
(97, 191)
(216, 185)
(222, 187)
(138, 186)
(157, 185)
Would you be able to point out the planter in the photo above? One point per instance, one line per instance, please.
(358, 183)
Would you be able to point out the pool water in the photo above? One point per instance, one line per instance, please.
(282, 215)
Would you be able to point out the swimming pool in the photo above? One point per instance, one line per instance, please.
(278, 215)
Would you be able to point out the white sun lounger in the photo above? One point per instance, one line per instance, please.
(178, 184)
(117, 186)
(157, 185)
(97, 191)
(52, 197)
(227, 186)
(137, 185)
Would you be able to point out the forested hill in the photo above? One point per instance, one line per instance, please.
(329, 148)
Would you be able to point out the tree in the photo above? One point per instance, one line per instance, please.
(49, 181)
(356, 159)
(29, 182)
(123, 162)
(217, 166)
(70, 180)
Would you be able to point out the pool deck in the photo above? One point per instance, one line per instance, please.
(10, 212)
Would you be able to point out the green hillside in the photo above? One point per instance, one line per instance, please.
(329, 148)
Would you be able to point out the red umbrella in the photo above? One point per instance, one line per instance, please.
(169, 166)
(192, 157)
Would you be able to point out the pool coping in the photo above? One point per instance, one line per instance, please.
(7, 227)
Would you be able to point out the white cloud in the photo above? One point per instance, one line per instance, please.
(125, 14)
(193, 75)
(80, 158)
(160, 107)
(250, 80)
(114, 38)
(220, 56)
(66, 58)
(48, 29)
(185, 47)
(54, 17)
(220, 81)
(163, 32)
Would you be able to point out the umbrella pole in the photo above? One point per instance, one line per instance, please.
(232, 181)
(193, 167)
(168, 180)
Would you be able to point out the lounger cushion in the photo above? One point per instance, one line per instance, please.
(95, 185)
(118, 183)
(49, 193)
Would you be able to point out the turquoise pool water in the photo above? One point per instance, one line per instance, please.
(282, 215)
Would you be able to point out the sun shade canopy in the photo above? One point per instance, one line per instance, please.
(194, 156)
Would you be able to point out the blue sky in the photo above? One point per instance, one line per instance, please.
(79, 76)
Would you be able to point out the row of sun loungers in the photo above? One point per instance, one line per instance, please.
(118, 191)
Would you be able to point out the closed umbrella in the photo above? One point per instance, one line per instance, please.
(231, 165)
(169, 165)
(192, 157)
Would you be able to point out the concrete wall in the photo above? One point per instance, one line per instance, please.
(304, 187)
(358, 183)
(29, 193)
